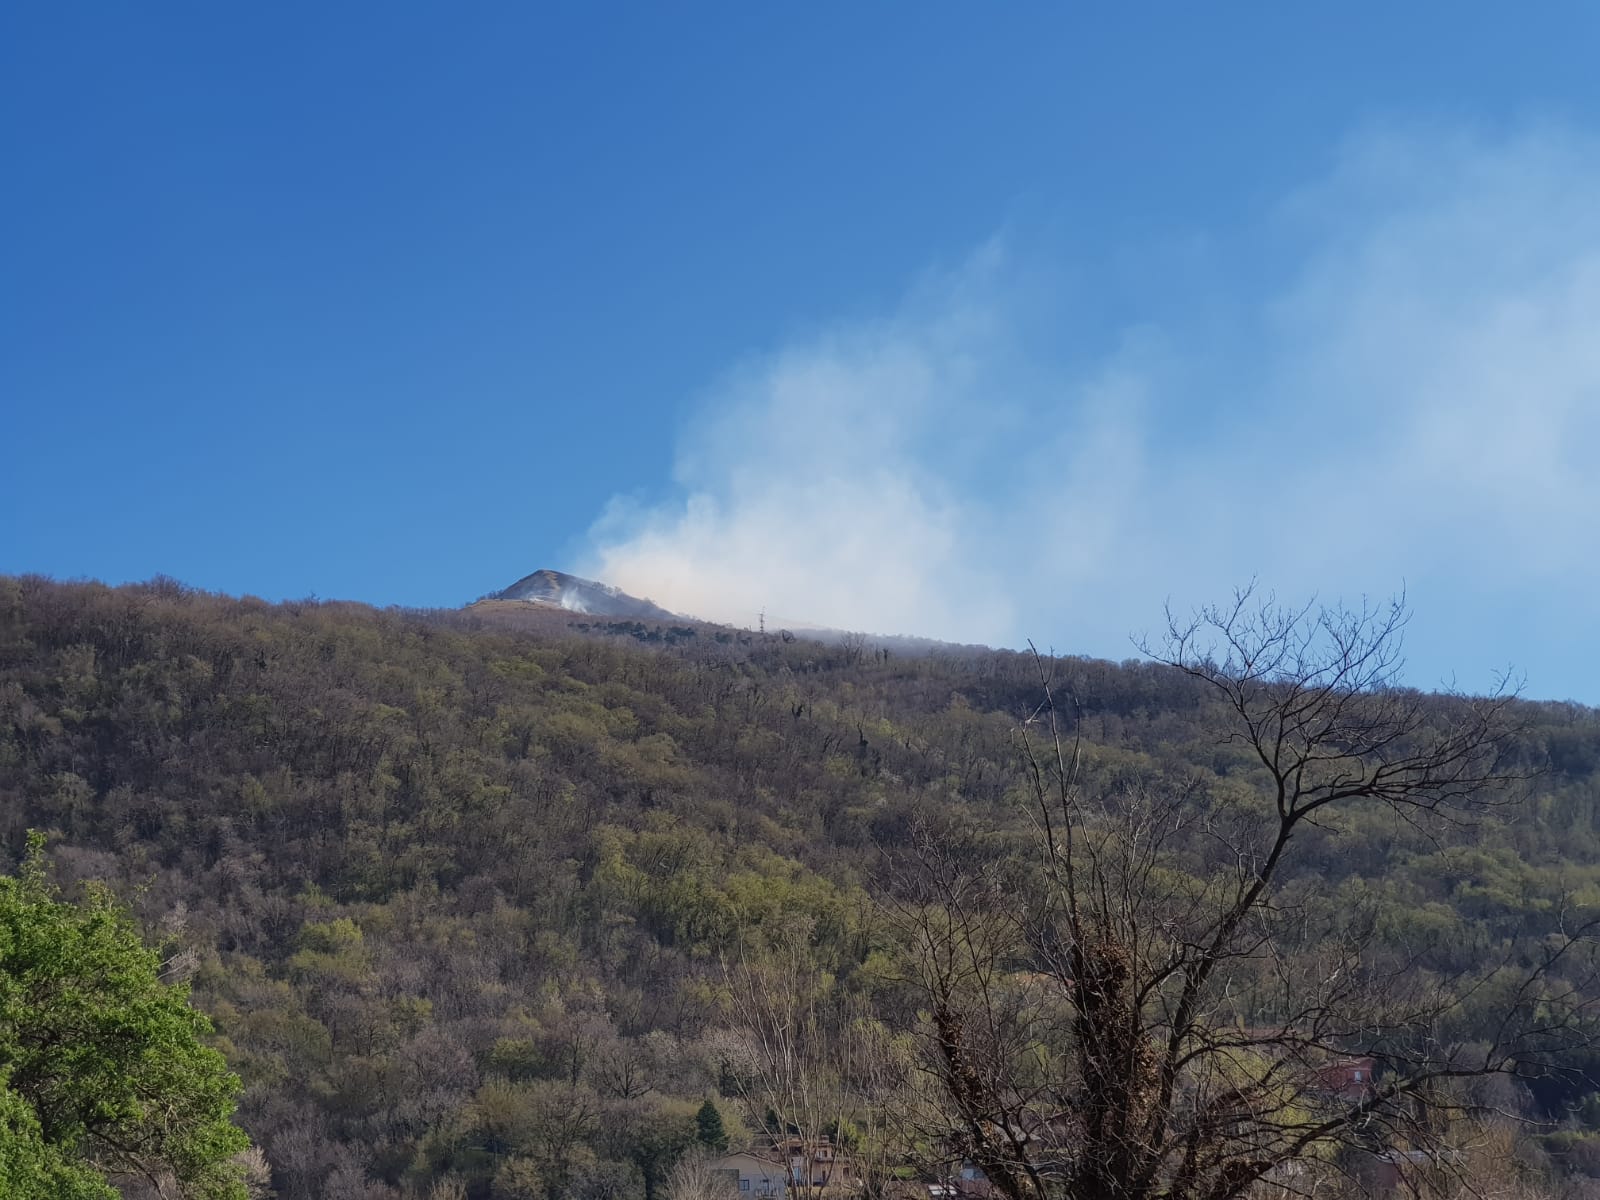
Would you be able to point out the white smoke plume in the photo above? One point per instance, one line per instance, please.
(1417, 405)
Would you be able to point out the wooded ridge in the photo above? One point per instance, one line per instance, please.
(495, 904)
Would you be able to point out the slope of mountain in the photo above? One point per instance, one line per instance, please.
(459, 892)
(560, 590)
(549, 592)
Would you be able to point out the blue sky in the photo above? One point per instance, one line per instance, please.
(980, 323)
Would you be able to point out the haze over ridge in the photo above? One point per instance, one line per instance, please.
(1420, 386)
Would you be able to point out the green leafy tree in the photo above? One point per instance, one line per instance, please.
(106, 1071)
(29, 1167)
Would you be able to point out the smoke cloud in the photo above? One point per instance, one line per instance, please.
(1415, 403)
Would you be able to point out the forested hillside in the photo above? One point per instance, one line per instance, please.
(471, 903)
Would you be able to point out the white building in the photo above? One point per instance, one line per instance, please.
(753, 1174)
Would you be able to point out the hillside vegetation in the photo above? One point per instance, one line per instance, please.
(469, 902)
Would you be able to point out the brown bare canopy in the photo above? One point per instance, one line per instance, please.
(1142, 1015)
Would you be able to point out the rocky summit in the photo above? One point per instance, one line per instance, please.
(557, 589)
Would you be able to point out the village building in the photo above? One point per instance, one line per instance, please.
(753, 1174)
(800, 1164)
(1346, 1078)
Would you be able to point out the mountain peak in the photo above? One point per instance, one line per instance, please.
(557, 589)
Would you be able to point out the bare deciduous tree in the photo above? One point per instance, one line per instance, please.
(822, 1066)
(1145, 1014)
(781, 1005)
(694, 1178)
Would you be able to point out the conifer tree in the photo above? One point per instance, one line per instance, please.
(709, 1131)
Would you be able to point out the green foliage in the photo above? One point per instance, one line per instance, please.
(33, 1169)
(105, 1065)
(709, 1131)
